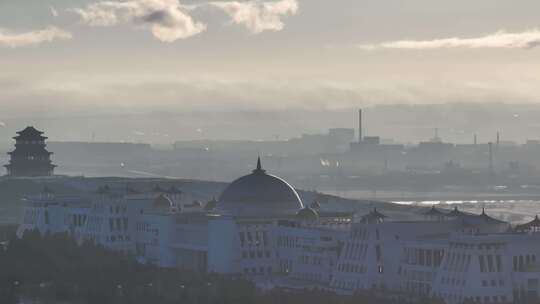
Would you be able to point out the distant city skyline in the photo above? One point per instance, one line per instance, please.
(456, 123)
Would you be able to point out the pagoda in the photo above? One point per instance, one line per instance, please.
(30, 157)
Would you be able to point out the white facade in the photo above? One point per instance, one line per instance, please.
(456, 257)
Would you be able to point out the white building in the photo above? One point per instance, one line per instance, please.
(259, 228)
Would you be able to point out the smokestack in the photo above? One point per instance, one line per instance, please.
(498, 138)
(475, 141)
(360, 126)
(490, 144)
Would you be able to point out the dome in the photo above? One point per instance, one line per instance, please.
(174, 190)
(307, 214)
(259, 194)
(158, 189)
(162, 203)
(211, 205)
(316, 205)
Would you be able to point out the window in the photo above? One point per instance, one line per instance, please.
(499, 263)
(242, 238)
(490, 263)
(481, 262)
(378, 252)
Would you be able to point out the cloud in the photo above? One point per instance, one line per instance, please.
(258, 16)
(168, 19)
(54, 12)
(11, 39)
(503, 40)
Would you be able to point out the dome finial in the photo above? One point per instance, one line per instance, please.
(259, 166)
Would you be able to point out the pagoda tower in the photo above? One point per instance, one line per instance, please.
(30, 158)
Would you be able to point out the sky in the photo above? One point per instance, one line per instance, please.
(131, 56)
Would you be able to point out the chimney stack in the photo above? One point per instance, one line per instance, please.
(475, 139)
(490, 144)
(498, 138)
(360, 137)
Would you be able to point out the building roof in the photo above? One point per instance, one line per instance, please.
(29, 132)
(373, 216)
(211, 205)
(527, 226)
(162, 203)
(131, 190)
(336, 214)
(259, 193)
(157, 189)
(456, 212)
(488, 218)
(307, 214)
(103, 189)
(196, 203)
(174, 190)
(434, 212)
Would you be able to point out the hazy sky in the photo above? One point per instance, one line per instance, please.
(100, 56)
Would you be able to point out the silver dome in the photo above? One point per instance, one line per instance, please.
(259, 194)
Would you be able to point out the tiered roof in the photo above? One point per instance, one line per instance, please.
(30, 157)
(488, 218)
(456, 212)
(534, 224)
(30, 133)
(373, 216)
(434, 212)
